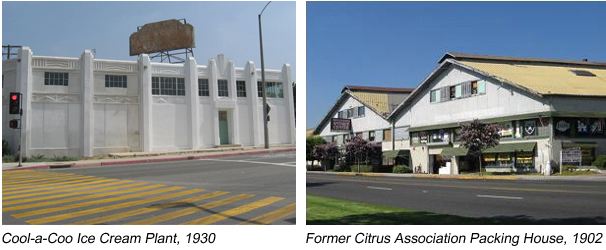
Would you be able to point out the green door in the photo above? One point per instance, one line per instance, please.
(223, 128)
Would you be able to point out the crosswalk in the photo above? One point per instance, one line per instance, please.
(39, 197)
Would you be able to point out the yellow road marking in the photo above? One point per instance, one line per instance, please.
(48, 182)
(31, 176)
(233, 212)
(272, 216)
(191, 210)
(52, 184)
(57, 187)
(62, 191)
(118, 216)
(109, 208)
(5, 209)
(43, 179)
(466, 187)
(84, 204)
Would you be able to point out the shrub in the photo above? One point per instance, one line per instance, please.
(36, 158)
(6, 150)
(8, 158)
(361, 168)
(342, 167)
(63, 158)
(402, 169)
(600, 162)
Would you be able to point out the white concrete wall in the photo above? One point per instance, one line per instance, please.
(86, 118)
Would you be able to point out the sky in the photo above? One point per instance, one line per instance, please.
(66, 29)
(397, 44)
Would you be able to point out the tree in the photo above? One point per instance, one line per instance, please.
(359, 149)
(311, 143)
(327, 153)
(478, 136)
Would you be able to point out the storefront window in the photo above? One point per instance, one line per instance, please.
(506, 129)
(439, 136)
(524, 160)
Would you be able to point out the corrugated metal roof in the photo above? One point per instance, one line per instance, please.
(354, 88)
(466, 56)
(546, 79)
(379, 102)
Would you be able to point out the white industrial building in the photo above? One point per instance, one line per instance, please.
(86, 106)
(544, 108)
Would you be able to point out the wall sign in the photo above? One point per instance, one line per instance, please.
(572, 155)
(340, 124)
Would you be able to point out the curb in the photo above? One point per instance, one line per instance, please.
(182, 158)
(425, 176)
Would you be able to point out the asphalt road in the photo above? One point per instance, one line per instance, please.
(529, 202)
(257, 189)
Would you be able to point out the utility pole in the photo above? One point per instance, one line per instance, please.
(265, 111)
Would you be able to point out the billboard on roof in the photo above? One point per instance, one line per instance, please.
(162, 36)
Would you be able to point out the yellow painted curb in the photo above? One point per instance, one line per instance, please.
(468, 177)
(361, 174)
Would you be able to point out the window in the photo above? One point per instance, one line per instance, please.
(203, 87)
(371, 135)
(223, 90)
(115, 81)
(241, 88)
(481, 87)
(168, 86)
(56, 79)
(359, 134)
(273, 89)
(474, 87)
(349, 113)
(435, 96)
(452, 92)
(459, 91)
(361, 111)
(340, 114)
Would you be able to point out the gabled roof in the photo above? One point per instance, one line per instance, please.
(377, 99)
(335, 108)
(540, 77)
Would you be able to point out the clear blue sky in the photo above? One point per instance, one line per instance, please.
(66, 29)
(397, 44)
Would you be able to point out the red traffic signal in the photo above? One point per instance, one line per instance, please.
(14, 103)
(13, 123)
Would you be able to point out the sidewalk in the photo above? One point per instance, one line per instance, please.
(158, 156)
(594, 177)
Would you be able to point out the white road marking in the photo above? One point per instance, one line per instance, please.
(255, 162)
(500, 197)
(379, 188)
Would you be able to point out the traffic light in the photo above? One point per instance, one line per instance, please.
(13, 123)
(14, 107)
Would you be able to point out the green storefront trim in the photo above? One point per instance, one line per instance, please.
(395, 153)
(491, 120)
(450, 152)
(512, 147)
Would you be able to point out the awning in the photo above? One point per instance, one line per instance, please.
(512, 147)
(450, 152)
(579, 144)
(396, 153)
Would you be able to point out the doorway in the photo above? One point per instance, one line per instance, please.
(223, 128)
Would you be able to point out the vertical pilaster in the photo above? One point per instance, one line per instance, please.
(235, 131)
(212, 86)
(253, 102)
(145, 107)
(87, 110)
(289, 100)
(24, 86)
(192, 100)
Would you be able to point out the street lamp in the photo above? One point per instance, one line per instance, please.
(263, 82)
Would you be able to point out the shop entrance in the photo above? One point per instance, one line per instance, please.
(223, 128)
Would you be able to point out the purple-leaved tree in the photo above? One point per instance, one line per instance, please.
(478, 136)
(359, 150)
(326, 153)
